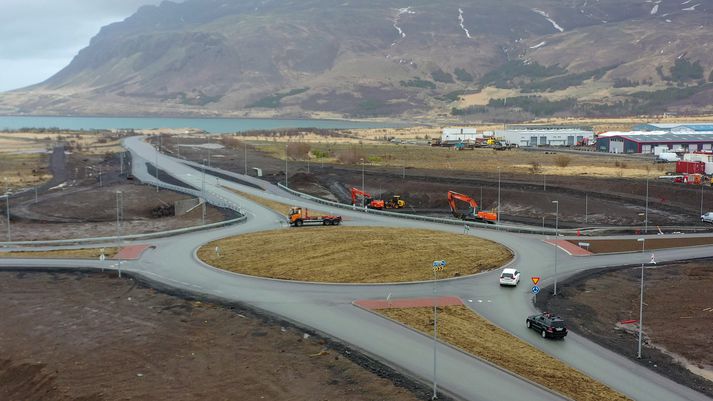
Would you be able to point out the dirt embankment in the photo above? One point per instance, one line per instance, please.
(678, 316)
(98, 338)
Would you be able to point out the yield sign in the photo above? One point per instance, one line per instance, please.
(535, 280)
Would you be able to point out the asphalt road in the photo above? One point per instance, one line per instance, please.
(328, 308)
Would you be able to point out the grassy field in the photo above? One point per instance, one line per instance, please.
(353, 254)
(20, 170)
(86, 253)
(477, 161)
(466, 330)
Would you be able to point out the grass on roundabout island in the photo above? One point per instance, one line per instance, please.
(338, 254)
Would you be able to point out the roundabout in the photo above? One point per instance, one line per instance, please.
(356, 255)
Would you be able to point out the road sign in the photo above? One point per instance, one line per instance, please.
(439, 265)
(535, 280)
(535, 289)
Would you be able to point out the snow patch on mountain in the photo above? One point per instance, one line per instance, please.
(461, 21)
(537, 46)
(547, 17)
(399, 13)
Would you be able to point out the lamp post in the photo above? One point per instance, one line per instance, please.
(646, 211)
(119, 212)
(363, 198)
(157, 169)
(7, 208)
(701, 199)
(498, 195)
(285, 165)
(203, 179)
(245, 158)
(641, 298)
(557, 216)
(437, 266)
(586, 207)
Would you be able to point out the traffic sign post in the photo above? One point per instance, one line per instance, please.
(535, 289)
(438, 265)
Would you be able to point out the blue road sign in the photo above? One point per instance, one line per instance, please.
(535, 289)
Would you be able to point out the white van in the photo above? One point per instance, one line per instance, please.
(667, 157)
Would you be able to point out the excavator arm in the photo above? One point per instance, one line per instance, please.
(474, 213)
(368, 201)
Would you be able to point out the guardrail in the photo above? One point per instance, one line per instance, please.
(583, 231)
(212, 198)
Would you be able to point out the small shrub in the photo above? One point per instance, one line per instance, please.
(562, 161)
(298, 150)
(535, 167)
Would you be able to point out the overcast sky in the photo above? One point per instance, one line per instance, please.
(40, 37)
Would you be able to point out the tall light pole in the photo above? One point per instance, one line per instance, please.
(437, 265)
(646, 211)
(119, 212)
(701, 199)
(557, 217)
(245, 158)
(203, 179)
(286, 165)
(641, 297)
(157, 169)
(586, 207)
(363, 198)
(498, 195)
(7, 208)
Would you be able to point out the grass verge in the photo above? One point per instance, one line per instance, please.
(353, 254)
(632, 245)
(460, 327)
(279, 207)
(86, 253)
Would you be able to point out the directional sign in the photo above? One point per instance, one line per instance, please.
(535, 289)
(439, 265)
(535, 280)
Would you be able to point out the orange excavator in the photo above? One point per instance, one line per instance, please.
(368, 201)
(474, 212)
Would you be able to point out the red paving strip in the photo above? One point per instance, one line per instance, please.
(569, 247)
(132, 252)
(407, 302)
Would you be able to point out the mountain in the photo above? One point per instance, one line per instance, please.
(497, 59)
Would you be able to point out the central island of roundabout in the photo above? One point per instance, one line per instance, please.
(379, 255)
(357, 255)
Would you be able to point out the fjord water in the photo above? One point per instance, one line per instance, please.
(212, 125)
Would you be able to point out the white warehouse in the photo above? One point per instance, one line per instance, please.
(546, 137)
(455, 135)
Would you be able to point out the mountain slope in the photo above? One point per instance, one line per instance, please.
(378, 58)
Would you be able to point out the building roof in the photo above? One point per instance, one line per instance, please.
(663, 137)
(671, 126)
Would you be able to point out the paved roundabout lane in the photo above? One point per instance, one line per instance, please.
(328, 308)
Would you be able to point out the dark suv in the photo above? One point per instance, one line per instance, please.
(547, 324)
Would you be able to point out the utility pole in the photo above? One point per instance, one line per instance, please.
(7, 208)
(557, 217)
(119, 213)
(646, 212)
(641, 298)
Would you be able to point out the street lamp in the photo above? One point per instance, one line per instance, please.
(157, 169)
(437, 266)
(119, 212)
(7, 207)
(641, 298)
(203, 179)
(363, 198)
(646, 212)
(498, 195)
(557, 216)
(286, 165)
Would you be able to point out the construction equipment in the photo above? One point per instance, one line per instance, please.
(474, 213)
(395, 203)
(368, 201)
(299, 217)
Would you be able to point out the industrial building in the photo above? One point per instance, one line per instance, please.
(653, 141)
(676, 127)
(455, 135)
(525, 136)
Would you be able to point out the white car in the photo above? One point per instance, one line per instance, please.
(509, 277)
(708, 217)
